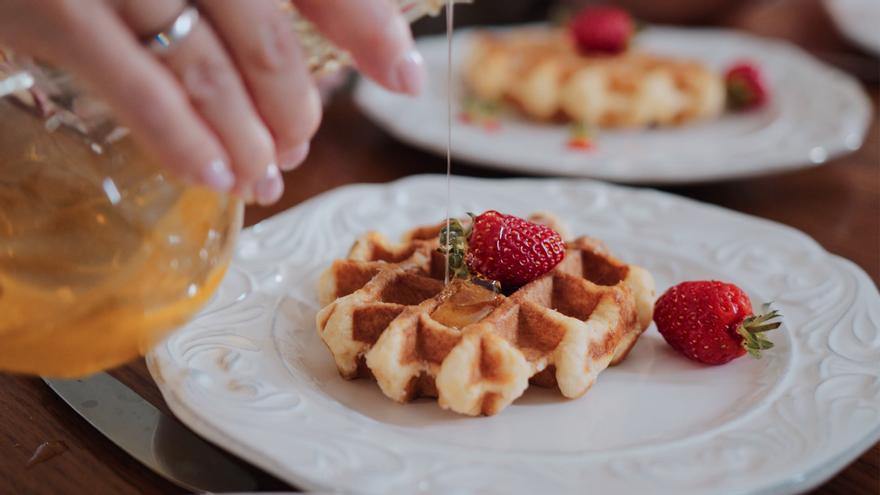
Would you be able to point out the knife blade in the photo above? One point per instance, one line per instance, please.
(153, 438)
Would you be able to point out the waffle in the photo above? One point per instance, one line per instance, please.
(541, 72)
(387, 314)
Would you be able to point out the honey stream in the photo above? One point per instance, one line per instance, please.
(450, 15)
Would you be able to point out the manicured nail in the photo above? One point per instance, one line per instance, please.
(409, 74)
(218, 176)
(290, 159)
(269, 189)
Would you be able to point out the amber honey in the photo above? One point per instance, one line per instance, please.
(100, 254)
(468, 304)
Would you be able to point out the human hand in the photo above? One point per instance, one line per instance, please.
(232, 102)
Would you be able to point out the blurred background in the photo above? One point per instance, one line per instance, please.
(806, 22)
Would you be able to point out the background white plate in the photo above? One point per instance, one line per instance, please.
(858, 20)
(251, 374)
(816, 113)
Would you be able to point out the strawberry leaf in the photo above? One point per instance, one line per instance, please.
(752, 330)
(453, 244)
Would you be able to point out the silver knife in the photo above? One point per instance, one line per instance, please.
(156, 440)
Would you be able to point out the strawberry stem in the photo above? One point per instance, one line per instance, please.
(738, 93)
(453, 244)
(753, 327)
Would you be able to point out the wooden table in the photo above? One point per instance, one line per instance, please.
(838, 204)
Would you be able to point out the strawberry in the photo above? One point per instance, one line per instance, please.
(602, 29)
(746, 88)
(580, 137)
(581, 144)
(712, 322)
(503, 248)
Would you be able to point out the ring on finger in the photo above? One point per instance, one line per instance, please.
(177, 31)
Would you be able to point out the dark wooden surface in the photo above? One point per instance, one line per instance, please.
(838, 204)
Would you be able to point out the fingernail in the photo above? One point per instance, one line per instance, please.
(268, 190)
(409, 74)
(218, 176)
(291, 158)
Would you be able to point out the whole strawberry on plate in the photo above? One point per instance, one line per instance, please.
(602, 29)
(746, 87)
(712, 322)
(502, 248)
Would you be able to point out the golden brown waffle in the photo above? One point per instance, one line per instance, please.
(541, 72)
(388, 315)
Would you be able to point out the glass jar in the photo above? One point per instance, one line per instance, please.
(101, 253)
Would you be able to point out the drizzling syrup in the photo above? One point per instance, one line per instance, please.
(449, 26)
(469, 304)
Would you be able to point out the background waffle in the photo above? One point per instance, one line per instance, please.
(541, 72)
(388, 315)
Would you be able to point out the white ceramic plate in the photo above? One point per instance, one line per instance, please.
(251, 374)
(816, 113)
(859, 20)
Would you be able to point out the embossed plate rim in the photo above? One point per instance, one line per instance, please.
(171, 376)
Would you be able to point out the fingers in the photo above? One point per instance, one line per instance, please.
(264, 47)
(377, 36)
(145, 96)
(217, 92)
(234, 98)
